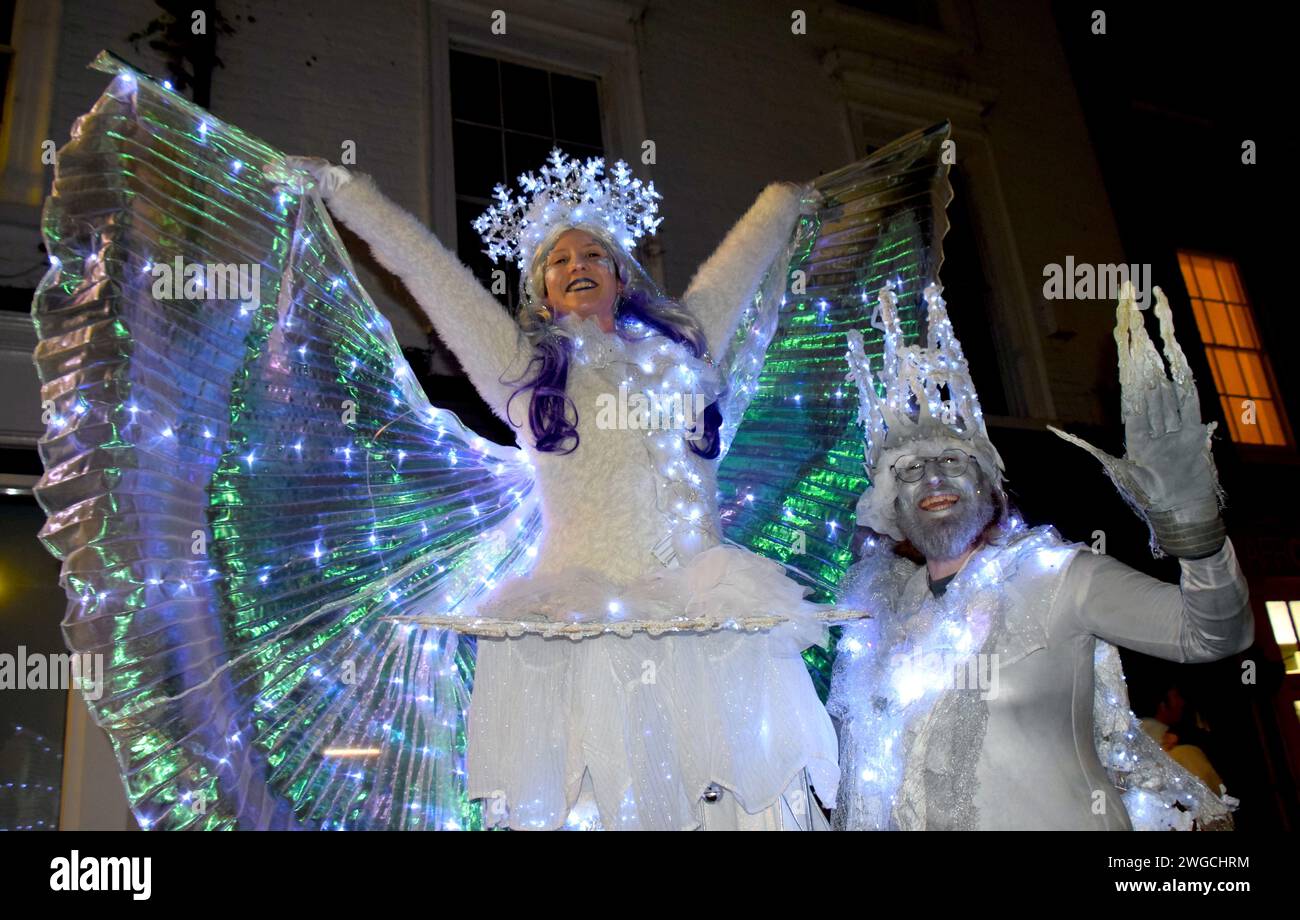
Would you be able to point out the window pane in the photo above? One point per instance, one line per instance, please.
(1218, 314)
(478, 159)
(1244, 325)
(475, 92)
(525, 153)
(577, 110)
(1229, 377)
(1205, 278)
(469, 245)
(1252, 369)
(526, 99)
(1227, 274)
(1269, 426)
(1246, 433)
(582, 151)
(1279, 617)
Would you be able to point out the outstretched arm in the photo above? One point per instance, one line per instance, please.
(485, 340)
(723, 285)
(1203, 618)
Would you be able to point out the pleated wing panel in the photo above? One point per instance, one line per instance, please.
(242, 478)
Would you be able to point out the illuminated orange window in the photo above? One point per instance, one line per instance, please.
(1242, 374)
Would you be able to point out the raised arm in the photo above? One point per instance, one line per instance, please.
(1168, 477)
(723, 285)
(1203, 618)
(485, 340)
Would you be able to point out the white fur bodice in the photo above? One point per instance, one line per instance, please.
(632, 496)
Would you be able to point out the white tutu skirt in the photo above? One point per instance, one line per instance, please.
(652, 720)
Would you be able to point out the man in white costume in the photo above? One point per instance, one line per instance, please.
(987, 692)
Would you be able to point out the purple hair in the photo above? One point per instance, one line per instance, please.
(552, 416)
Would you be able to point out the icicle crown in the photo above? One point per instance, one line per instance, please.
(569, 192)
(927, 390)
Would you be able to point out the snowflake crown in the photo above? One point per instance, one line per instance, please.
(914, 380)
(568, 191)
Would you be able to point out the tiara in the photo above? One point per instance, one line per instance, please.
(923, 387)
(568, 191)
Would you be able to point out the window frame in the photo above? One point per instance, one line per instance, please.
(581, 38)
(1275, 391)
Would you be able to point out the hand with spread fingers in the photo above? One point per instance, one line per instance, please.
(1168, 472)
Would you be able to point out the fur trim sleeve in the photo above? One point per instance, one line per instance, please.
(723, 285)
(485, 340)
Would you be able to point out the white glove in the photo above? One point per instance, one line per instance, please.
(328, 177)
(1168, 472)
(810, 197)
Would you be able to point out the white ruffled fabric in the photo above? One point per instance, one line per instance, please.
(654, 720)
(723, 587)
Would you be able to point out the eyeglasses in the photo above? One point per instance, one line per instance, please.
(910, 468)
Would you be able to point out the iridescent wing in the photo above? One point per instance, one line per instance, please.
(242, 483)
(790, 482)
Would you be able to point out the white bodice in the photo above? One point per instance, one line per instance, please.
(632, 497)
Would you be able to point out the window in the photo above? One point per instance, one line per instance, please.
(1284, 617)
(506, 117)
(1242, 373)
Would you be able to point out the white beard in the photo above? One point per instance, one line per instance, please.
(947, 538)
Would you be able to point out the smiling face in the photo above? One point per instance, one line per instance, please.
(942, 515)
(581, 278)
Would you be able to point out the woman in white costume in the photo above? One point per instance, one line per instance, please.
(627, 728)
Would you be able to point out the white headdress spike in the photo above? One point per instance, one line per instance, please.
(926, 389)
